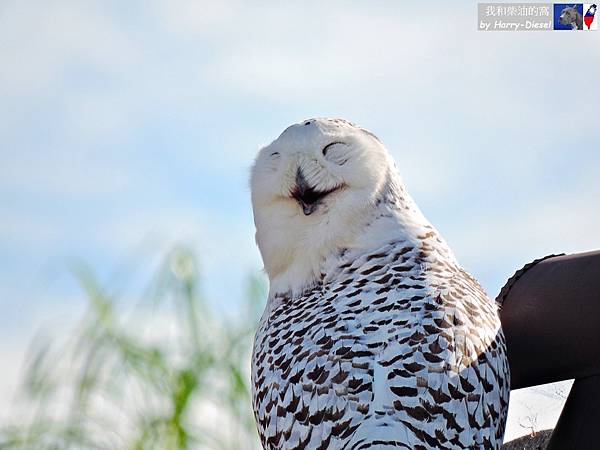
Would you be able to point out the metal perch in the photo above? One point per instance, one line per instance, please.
(550, 313)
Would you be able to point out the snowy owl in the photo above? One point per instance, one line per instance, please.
(373, 336)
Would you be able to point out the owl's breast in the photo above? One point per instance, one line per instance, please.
(315, 360)
(388, 345)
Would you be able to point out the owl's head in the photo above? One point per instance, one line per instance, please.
(312, 189)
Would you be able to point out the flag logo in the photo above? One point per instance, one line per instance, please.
(590, 22)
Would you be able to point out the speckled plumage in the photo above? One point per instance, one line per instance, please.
(390, 345)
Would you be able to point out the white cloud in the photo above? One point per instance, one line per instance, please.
(41, 43)
(213, 234)
(566, 222)
(193, 20)
(66, 173)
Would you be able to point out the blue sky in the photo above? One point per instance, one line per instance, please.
(126, 127)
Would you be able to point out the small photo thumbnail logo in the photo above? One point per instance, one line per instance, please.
(568, 16)
(590, 18)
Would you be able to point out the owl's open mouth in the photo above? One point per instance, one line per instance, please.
(310, 198)
(307, 196)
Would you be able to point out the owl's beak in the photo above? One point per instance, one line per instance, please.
(307, 196)
(304, 194)
(308, 208)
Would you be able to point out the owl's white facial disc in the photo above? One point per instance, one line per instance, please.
(311, 188)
